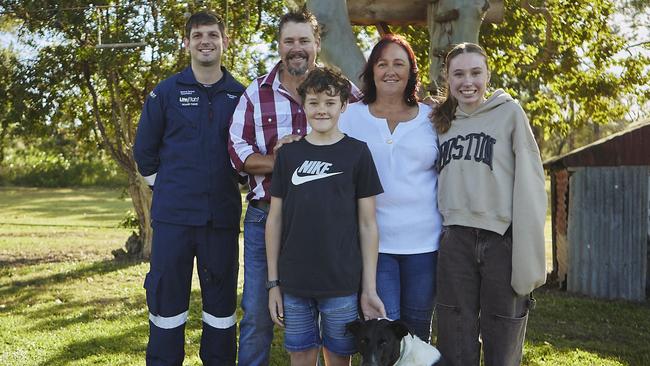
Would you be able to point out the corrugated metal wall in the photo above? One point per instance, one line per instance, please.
(608, 225)
(560, 224)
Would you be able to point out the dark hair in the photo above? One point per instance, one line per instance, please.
(300, 16)
(204, 18)
(367, 76)
(444, 114)
(323, 79)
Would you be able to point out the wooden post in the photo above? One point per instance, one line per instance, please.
(451, 22)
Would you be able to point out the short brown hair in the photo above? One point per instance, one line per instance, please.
(204, 17)
(300, 16)
(323, 79)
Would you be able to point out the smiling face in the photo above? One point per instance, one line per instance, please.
(298, 47)
(323, 111)
(468, 76)
(391, 71)
(206, 44)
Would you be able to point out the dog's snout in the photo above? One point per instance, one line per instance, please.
(371, 361)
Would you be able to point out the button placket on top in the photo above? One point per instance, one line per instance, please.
(393, 139)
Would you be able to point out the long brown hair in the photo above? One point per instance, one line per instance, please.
(444, 114)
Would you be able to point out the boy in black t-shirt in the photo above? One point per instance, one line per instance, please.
(321, 233)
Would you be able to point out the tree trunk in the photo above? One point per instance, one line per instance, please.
(118, 144)
(141, 198)
(338, 43)
(451, 22)
(3, 134)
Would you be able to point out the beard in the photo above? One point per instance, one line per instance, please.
(297, 70)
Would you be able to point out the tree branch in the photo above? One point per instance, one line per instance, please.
(637, 44)
(120, 120)
(259, 16)
(383, 28)
(549, 44)
(447, 16)
(98, 120)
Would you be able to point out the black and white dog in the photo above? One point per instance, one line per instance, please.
(383, 342)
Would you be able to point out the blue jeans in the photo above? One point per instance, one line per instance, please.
(406, 283)
(307, 320)
(256, 327)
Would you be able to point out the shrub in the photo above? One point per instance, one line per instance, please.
(39, 165)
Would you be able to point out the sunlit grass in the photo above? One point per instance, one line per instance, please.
(65, 301)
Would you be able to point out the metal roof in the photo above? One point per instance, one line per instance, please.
(630, 146)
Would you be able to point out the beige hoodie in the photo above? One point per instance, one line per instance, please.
(491, 177)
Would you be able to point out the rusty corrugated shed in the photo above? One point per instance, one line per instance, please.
(560, 223)
(608, 216)
(628, 147)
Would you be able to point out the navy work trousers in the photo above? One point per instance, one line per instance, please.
(168, 285)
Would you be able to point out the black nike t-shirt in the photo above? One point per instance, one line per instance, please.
(319, 185)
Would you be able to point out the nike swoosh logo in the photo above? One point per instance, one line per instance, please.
(298, 180)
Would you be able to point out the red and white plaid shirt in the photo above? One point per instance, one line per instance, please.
(265, 112)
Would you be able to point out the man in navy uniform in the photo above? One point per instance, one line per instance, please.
(181, 151)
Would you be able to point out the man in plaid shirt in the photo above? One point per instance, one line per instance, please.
(269, 114)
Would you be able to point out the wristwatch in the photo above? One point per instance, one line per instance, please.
(272, 284)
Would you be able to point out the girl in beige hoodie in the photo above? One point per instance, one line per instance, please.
(493, 203)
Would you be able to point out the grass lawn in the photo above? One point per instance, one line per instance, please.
(65, 301)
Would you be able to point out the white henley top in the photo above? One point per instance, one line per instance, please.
(407, 212)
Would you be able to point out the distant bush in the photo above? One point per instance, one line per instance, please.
(41, 166)
(129, 221)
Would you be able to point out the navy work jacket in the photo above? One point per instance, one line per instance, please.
(182, 138)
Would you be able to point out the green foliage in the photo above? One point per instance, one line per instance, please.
(588, 79)
(44, 163)
(418, 38)
(129, 221)
(589, 83)
(97, 94)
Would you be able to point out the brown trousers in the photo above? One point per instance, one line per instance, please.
(475, 296)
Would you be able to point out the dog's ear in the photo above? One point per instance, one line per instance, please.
(354, 327)
(400, 328)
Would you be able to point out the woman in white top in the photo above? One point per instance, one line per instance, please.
(404, 147)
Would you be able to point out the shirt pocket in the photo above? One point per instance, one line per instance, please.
(272, 126)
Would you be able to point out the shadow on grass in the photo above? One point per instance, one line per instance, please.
(22, 292)
(129, 342)
(47, 258)
(70, 313)
(613, 329)
(23, 262)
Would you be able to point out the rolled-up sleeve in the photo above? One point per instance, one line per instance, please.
(148, 138)
(242, 133)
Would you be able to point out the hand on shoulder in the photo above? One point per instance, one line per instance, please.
(285, 140)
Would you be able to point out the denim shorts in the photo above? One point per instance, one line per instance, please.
(303, 330)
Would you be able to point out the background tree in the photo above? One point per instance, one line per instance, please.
(562, 59)
(8, 106)
(72, 83)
